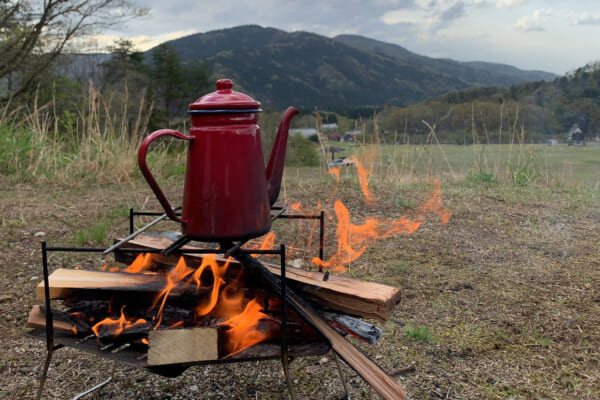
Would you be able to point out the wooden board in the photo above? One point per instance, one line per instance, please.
(175, 346)
(64, 281)
(37, 319)
(351, 296)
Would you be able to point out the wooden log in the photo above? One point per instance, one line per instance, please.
(60, 321)
(136, 288)
(339, 293)
(346, 325)
(174, 346)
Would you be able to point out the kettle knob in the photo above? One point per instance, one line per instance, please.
(224, 84)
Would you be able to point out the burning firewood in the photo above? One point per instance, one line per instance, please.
(218, 304)
(339, 293)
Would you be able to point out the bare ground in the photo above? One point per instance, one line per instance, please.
(507, 295)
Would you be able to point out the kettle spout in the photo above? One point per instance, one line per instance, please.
(274, 170)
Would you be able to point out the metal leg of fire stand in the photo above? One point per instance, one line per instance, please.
(44, 375)
(342, 377)
(49, 323)
(176, 245)
(284, 339)
(321, 237)
(131, 223)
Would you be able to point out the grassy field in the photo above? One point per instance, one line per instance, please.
(547, 165)
(501, 302)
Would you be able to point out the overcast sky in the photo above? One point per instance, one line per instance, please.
(551, 35)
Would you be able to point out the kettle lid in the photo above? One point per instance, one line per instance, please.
(223, 100)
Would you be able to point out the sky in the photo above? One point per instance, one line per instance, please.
(550, 35)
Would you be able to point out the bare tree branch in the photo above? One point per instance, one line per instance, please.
(33, 34)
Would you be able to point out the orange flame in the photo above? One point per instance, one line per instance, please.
(353, 240)
(243, 332)
(175, 276)
(218, 273)
(116, 326)
(268, 241)
(335, 172)
(142, 262)
(363, 179)
(296, 206)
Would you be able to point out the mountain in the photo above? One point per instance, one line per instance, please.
(475, 73)
(308, 70)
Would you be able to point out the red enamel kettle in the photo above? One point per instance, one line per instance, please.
(228, 194)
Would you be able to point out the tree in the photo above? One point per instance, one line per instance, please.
(125, 81)
(33, 34)
(125, 65)
(174, 83)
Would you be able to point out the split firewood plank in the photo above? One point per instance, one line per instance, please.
(70, 283)
(350, 296)
(64, 281)
(60, 321)
(174, 346)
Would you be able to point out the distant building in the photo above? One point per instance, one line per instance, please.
(346, 137)
(576, 137)
(305, 132)
(330, 127)
(350, 136)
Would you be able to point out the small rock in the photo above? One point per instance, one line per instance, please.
(5, 298)
(39, 234)
(193, 388)
(323, 360)
(34, 278)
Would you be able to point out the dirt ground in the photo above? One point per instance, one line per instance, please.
(502, 302)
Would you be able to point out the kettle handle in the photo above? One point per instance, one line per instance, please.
(148, 175)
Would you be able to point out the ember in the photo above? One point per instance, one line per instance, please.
(114, 327)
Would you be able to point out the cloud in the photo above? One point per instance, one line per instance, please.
(533, 23)
(509, 3)
(588, 19)
(456, 11)
(429, 15)
(141, 42)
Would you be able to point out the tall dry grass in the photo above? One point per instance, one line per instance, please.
(98, 142)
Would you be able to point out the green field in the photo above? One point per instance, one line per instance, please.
(550, 165)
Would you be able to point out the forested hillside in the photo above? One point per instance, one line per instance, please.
(538, 109)
(308, 70)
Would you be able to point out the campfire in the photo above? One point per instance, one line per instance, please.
(167, 312)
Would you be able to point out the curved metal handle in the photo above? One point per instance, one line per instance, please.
(148, 175)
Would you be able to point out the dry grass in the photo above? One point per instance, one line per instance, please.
(505, 296)
(500, 303)
(94, 144)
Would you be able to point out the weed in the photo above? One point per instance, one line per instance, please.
(565, 378)
(95, 235)
(421, 333)
(403, 202)
(524, 173)
(480, 173)
(399, 268)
